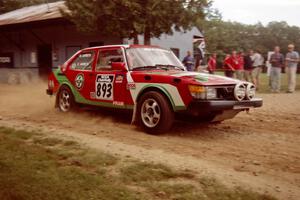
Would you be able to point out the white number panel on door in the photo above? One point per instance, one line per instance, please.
(105, 87)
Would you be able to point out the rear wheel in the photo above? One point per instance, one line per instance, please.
(65, 99)
(154, 112)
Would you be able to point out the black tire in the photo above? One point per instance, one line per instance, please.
(65, 99)
(148, 117)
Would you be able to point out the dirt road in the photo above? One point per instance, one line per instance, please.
(259, 150)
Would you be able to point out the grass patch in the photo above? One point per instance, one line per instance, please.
(70, 143)
(21, 134)
(33, 167)
(94, 159)
(139, 172)
(206, 189)
(264, 82)
(31, 171)
(214, 190)
(47, 141)
(176, 191)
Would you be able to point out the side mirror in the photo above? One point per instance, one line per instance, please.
(118, 66)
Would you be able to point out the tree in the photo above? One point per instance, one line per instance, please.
(129, 18)
(223, 37)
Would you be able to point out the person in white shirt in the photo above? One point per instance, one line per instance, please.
(258, 62)
(291, 64)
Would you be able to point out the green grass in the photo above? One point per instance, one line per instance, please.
(140, 172)
(264, 82)
(33, 171)
(33, 166)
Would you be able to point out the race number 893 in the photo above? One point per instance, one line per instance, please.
(104, 87)
(104, 90)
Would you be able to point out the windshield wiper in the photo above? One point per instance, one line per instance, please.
(144, 68)
(157, 66)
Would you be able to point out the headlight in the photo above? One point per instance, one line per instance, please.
(201, 92)
(251, 91)
(240, 91)
(211, 93)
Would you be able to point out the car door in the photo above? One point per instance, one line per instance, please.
(80, 72)
(109, 85)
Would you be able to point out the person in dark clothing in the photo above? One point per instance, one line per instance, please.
(277, 62)
(188, 61)
(248, 67)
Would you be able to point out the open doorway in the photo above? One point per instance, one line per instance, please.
(44, 58)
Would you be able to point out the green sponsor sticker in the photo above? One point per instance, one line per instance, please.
(201, 78)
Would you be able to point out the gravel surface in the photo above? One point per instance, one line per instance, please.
(259, 150)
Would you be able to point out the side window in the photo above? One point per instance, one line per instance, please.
(108, 56)
(84, 61)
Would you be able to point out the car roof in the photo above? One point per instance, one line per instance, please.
(126, 46)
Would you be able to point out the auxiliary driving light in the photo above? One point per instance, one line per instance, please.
(250, 91)
(240, 91)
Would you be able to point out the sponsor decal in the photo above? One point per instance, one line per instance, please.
(131, 86)
(119, 78)
(201, 78)
(105, 87)
(79, 81)
(118, 103)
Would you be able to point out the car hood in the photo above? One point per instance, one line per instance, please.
(196, 77)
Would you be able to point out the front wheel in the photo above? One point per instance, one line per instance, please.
(65, 99)
(154, 112)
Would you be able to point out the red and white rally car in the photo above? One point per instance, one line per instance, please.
(151, 82)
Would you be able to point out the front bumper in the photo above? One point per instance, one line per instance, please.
(209, 106)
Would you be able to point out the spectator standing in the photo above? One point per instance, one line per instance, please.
(277, 62)
(212, 63)
(188, 61)
(248, 67)
(291, 63)
(258, 62)
(239, 70)
(230, 64)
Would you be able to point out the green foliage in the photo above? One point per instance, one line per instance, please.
(129, 18)
(9, 5)
(223, 37)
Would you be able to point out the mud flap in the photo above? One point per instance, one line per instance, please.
(56, 101)
(133, 120)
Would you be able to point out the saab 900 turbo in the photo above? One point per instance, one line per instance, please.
(150, 81)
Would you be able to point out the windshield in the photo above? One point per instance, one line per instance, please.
(152, 57)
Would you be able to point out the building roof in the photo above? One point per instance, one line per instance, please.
(33, 13)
